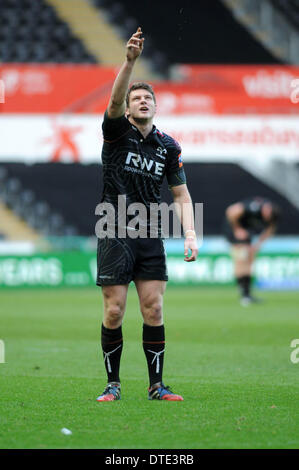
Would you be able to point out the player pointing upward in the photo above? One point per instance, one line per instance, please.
(136, 157)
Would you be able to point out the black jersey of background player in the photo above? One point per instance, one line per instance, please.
(136, 166)
(252, 218)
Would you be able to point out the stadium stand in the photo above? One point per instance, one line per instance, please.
(79, 32)
(74, 190)
(24, 211)
(219, 184)
(273, 23)
(56, 199)
(99, 37)
(13, 227)
(94, 32)
(31, 31)
(290, 9)
(192, 41)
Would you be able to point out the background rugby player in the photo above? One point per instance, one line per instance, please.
(244, 220)
(136, 157)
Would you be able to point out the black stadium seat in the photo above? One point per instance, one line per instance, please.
(30, 31)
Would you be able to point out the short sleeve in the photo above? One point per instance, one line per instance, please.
(175, 173)
(113, 129)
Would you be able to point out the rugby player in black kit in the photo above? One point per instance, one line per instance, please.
(254, 216)
(136, 156)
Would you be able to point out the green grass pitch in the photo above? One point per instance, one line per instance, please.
(232, 365)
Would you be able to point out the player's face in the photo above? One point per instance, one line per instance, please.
(141, 105)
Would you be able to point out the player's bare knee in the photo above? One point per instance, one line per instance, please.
(113, 315)
(153, 314)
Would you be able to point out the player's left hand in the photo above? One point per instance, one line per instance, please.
(135, 45)
(190, 244)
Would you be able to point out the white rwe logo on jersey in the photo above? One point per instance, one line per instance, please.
(143, 163)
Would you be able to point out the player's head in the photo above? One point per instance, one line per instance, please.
(270, 212)
(141, 102)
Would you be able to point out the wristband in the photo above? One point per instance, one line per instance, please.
(190, 236)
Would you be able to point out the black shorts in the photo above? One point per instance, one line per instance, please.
(121, 260)
(229, 235)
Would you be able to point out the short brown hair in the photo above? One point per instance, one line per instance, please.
(137, 86)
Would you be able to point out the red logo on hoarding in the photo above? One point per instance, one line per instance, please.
(64, 142)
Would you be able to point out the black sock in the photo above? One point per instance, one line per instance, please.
(112, 345)
(153, 346)
(244, 283)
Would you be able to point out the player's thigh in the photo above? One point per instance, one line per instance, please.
(150, 289)
(150, 293)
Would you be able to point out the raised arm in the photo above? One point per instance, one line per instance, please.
(117, 103)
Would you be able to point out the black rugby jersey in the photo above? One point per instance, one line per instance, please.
(252, 218)
(135, 166)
